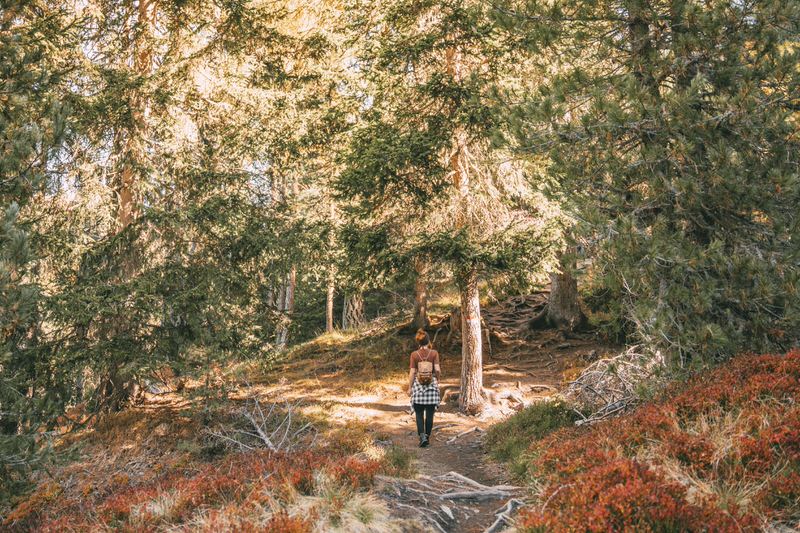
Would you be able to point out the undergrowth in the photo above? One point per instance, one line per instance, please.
(322, 489)
(508, 440)
(720, 452)
(147, 470)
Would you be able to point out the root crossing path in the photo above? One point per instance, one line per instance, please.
(457, 488)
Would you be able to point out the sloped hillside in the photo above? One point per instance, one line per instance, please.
(322, 440)
(720, 452)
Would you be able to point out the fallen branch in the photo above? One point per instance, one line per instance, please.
(608, 387)
(272, 430)
(466, 432)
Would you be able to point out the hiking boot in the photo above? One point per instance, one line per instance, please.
(423, 440)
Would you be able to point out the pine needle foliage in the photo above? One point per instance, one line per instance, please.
(670, 127)
(427, 71)
(32, 123)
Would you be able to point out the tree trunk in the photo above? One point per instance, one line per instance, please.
(563, 308)
(471, 399)
(286, 307)
(120, 385)
(329, 305)
(331, 273)
(353, 312)
(127, 202)
(421, 296)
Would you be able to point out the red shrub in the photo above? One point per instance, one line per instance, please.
(745, 379)
(238, 479)
(356, 473)
(755, 455)
(782, 494)
(283, 523)
(691, 450)
(566, 453)
(119, 506)
(594, 484)
(623, 495)
(784, 437)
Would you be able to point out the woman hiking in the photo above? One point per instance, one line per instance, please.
(423, 385)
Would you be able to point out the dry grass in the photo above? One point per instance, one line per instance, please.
(361, 360)
(722, 447)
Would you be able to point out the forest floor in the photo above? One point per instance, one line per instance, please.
(351, 385)
(520, 367)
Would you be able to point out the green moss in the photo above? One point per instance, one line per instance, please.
(508, 440)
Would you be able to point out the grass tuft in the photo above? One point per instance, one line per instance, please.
(508, 440)
(399, 462)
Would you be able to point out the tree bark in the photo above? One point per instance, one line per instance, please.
(127, 202)
(421, 296)
(286, 307)
(353, 312)
(471, 399)
(563, 307)
(331, 273)
(329, 305)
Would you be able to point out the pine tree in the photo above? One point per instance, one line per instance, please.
(204, 140)
(671, 127)
(31, 128)
(422, 179)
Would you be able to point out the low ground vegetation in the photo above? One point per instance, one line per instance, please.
(720, 452)
(145, 471)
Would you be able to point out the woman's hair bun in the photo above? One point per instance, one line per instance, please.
(422, 337)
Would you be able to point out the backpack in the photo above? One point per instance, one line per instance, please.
(424, 370)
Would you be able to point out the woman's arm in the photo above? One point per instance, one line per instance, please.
(436, 368)
(411, 374)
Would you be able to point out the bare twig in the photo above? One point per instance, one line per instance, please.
(466, 432)
(272, 429)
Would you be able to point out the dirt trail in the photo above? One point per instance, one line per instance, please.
(457, 440)
(520, 370)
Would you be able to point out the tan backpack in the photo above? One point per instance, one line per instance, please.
(424, 369)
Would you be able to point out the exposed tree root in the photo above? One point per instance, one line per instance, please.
(443, 502)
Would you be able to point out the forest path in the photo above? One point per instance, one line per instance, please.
(523, 366)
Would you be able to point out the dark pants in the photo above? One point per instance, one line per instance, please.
(424, 417)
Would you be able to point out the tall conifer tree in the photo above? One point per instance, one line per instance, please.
(32, 118)
(423, 179)
(671, 126)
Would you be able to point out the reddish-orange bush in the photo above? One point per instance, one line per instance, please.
(623, 495)
(692, 450)
(283, 523)
(238, 478)
(593, 481)
(39, 499)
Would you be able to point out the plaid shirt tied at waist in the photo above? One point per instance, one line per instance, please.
(425, 394)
